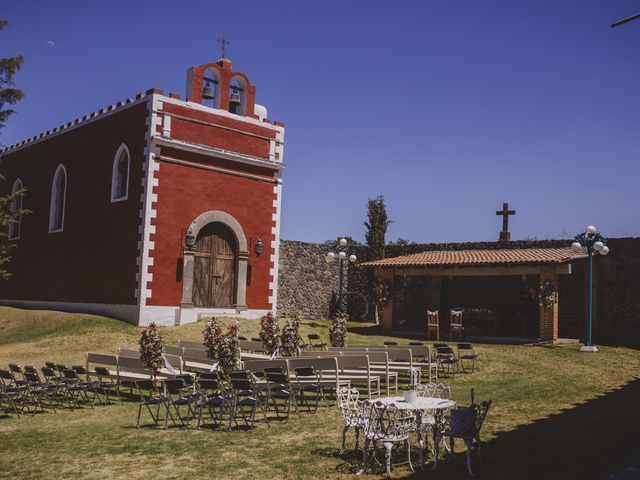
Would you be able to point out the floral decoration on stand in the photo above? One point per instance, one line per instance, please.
(338, 329)
(212, 333)
(547, 295)
(222, 346)
(229, 350)
(269, 332)
(290, 338)
(151, 349)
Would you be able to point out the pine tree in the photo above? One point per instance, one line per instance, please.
(9, 95)
(11, 204)
(375, 236)
(376, 227)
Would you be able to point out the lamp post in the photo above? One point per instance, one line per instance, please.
(593, 242)
(343, 253)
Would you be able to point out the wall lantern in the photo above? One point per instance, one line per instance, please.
(189, 240)
(258, 248)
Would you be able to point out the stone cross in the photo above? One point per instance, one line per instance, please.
(505, 236)
(223, 42)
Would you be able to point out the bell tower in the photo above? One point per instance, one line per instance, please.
(216, 85)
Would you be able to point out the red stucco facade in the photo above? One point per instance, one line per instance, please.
(188, 162)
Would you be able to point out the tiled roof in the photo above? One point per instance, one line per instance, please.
(466, 258)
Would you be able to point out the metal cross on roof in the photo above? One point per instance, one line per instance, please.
(505, 212)
(223, 42)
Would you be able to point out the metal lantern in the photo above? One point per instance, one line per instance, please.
(189, 240)
(258, 248)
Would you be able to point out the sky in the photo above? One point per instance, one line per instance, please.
(448, 108)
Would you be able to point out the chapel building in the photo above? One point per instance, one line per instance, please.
(154, 209)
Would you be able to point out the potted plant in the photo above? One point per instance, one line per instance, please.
(410, 393)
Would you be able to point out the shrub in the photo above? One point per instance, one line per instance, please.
(338, 329)
(269, 332)
(151, 348)
(290, 338)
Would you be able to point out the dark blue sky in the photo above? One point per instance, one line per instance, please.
(447, 108)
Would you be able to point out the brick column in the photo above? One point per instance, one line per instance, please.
(549, 316)
(385, 312)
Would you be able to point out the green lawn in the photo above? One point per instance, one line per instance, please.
(557, 413)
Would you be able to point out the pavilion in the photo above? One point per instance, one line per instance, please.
(502, 283)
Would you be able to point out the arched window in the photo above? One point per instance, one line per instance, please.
(120, 175)
(16, 204)
(58, 194)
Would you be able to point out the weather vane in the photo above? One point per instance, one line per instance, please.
(223, 42)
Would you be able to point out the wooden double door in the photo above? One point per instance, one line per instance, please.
(214, 269)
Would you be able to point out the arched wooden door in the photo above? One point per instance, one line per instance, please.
(214, 268)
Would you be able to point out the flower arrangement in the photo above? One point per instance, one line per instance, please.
(290, 338)
(222, 346)
(269, 332)
(338, 329)
(211, 333)
(229, 350)
(547, 295)
(151, 348)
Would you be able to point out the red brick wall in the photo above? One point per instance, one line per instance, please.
(184, 193)
(219, 137)
(94, 259)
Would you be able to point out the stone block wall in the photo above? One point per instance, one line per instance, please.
(618, 279)
(307, 284)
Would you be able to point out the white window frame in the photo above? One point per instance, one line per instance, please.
(64, 199)
(114, 173)
(17, 185)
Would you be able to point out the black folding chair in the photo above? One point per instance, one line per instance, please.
(466, 354)
(281, 394)
(106, 384)
(447, 361)
(215, 400)
(178, 397)
(247, 399)
(316, 342)
(11, 395)
(42, 393)
(307, 382)
(82, 391)
(151, 399)
(18, 374)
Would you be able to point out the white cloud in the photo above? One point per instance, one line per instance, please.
(51, 43)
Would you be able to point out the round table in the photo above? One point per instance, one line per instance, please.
(420, 404)
(423, 407)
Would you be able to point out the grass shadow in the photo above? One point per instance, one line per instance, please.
(595, 439)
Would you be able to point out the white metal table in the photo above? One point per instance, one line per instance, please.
(424, 408)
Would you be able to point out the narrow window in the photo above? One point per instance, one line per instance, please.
(120, 174)
(58, 193)
(16, 204)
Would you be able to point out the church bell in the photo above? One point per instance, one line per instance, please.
(235, 97)
(206, 92)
